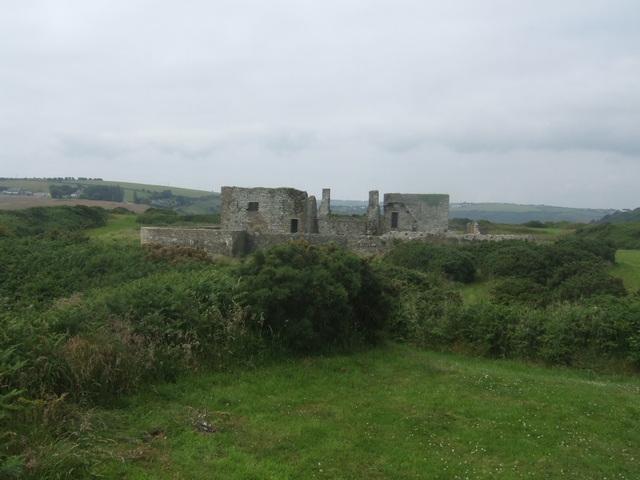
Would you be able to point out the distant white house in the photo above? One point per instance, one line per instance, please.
(12, 191)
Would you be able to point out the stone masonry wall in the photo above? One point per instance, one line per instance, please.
(275, 208)
(416, 212)
(234, 244)
(214, 241)
(342, 225)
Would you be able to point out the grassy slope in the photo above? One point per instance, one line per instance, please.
(118, 227)
(393, 412)
(513, 213)
(627, 267)
(43, 186)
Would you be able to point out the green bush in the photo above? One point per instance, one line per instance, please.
(449, 261)
(314, 299)
(519, 290)
(578, 280)
(516, 259)
(165, 216)
(623, 235)
(39, 220)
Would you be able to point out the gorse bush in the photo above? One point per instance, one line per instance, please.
(165, 216)
(314, 299)
(585, 334)
(622, 235)
(446, 260)
(38, 270)
(39, 220)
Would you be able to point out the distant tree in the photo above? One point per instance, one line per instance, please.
(107, 193)
(59, 191)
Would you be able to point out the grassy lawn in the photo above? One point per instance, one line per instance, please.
(118, 226)
(475, 292)
(627, 267)
(393, 412)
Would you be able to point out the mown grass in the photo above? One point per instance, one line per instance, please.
(393, 412)
(627, 267)
(542, 235)
(118, 226)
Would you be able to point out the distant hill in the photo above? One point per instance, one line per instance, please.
(509, 213)
(516, 214)
(183, 200)
(189, 201)
(621, 217)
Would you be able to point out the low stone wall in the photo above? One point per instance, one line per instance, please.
(238, 243)
(213, 240)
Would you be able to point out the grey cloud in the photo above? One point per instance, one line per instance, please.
(248, 89)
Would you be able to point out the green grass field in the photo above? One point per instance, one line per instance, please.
(118, 227)
(40, 185)
(627, 267)
(393, 412)
(513, 213)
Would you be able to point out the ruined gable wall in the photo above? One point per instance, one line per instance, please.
(416, 212)
(276, 207)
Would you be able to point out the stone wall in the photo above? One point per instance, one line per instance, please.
(342, 225)
(235, 244)
(213, 240)
(415, 212)
(264, 210)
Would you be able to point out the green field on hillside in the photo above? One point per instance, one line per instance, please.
(42, 185)
(516, 214)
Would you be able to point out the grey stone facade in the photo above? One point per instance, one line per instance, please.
(256, 218)
(415, 213)
(267, 210)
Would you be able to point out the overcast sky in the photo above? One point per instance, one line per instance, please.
(490, 101)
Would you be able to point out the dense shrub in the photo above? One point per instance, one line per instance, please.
(36, 271)
(519, 290)
(39, 220)
(449, 261)
(516, 259)
(584, 334)
(109, 193)
(622, 235)
(314, 298)
(578, 280)
(533, 224)
(571, 249)
(165, 216)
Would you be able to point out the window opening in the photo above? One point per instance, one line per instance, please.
(394, 219)
(253, 207)
(294, 225)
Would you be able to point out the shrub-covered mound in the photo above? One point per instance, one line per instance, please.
(39, 220)
(165, 216)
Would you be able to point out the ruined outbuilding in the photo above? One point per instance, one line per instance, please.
(255, 218)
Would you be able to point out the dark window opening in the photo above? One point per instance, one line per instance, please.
(294, 225)
(394, 219)
(253, 207)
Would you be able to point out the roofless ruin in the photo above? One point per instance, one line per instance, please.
(255, 218)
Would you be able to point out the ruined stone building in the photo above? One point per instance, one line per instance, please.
(255, 218)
